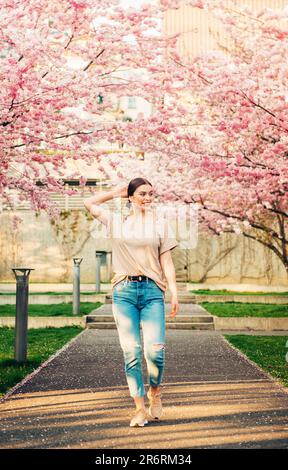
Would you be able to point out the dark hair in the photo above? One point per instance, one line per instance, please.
(133, 185)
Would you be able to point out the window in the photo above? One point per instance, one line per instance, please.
(131, 102)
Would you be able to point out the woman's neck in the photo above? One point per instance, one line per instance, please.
(139, 212)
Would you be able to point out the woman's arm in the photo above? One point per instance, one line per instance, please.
(104, 196)
(168, 268)
(93, 202)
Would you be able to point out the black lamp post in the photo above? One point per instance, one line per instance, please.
(21, 322)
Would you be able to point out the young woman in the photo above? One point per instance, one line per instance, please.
(142, 263)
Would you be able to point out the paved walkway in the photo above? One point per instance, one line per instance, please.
(213, 397)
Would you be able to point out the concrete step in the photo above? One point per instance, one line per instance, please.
(102, 325)
(179, 318)
(169, 325)
(184, 309)
(181, 286)
(190, 326)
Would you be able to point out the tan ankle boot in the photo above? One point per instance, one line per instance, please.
(155, 408)
(139, 418)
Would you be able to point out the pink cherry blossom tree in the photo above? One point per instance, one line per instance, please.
(224, 147)
(59, 58)
(240, 168)
(218, 132)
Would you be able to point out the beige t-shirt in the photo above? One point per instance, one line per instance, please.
(137, 244)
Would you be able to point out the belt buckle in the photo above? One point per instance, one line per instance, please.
(136, 278)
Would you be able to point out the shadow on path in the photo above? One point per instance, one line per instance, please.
(212, 397)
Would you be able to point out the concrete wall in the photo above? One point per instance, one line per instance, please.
(49, 248)
(45, 322)
(220, 323)
(232, 258)
(251, 323)
(201, 31)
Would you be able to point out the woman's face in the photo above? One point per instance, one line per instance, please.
(143, 196)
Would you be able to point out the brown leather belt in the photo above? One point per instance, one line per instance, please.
(137, 278)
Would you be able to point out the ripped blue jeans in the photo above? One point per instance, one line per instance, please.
(135, 303)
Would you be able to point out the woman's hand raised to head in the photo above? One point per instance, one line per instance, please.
(122, 191)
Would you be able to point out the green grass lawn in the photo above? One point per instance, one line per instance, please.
(42, 343)
(269, 352)
(53, 310)
(230, 292)
(239, 309)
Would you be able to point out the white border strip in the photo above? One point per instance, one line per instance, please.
(39, 369)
